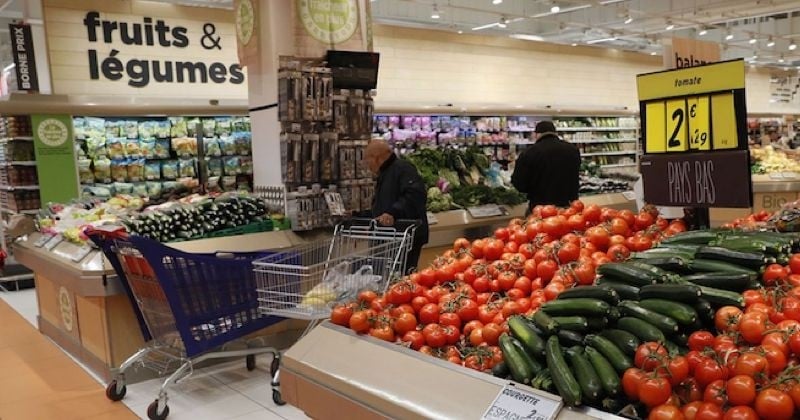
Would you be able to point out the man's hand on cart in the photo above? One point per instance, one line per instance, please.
(385, 219)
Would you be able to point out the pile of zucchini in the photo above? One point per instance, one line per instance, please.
(585, 339)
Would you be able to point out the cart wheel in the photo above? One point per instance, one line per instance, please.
(276, 397)
(112, 393)
(275, 365)
(250, 360)
(152, 411)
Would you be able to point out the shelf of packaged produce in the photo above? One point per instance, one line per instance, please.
(618, 165)
(19, 163)
(592, 141)
(597, 128)
(19, 138)
(18, 187)
(614, 153)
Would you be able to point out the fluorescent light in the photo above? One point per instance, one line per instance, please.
(703, 32)
(670, 26)
(596, 41)
(9, 67)
(487, 26)
(527, 37)
(781, 60)
(503, 23)
(555, 9)
(729, 36)
(564, 10)
(792, 46)
(460, 32)
(752, 41)
(574, 44)
(497, 1)
(628, 20)
(653, 53)
(435, 13)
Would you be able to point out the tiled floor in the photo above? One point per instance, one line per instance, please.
(224, 391)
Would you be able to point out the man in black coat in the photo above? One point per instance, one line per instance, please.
(548, 171)
(400, 194)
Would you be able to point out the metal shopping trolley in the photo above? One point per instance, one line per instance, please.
(191, 306)
(306, 282)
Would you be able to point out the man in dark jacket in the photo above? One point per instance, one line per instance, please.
(399, 194)
(548, 171)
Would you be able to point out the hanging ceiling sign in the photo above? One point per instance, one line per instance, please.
(24, 60)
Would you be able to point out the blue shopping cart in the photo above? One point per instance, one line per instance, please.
(190, 305)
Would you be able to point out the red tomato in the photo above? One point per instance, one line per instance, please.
(618, 253)
(576, 223)
(493, 249)
(427, 277)
(568, 253)
(708, 371)
(752, 326)
(643, 221)
(751, 364)
(649, 356)
(709, 411)
(552, 290)
(776, 359)
(654, 391)
(773, 273)
(689, 391)
(727, 318)
(753, 296)
(715, 393)
(546, 270)
(791, 307)
(429, 314)
(631, 381)
(794, 264)
(598, 236)
(678, 369)
(773, 404)
(404, 323)
(779, 340)
(340, 315)
(741, 412)
(619, 226)
(665, 412)
(690, 410)
(699, 340)
(491, 333)
(415, 339)
(741, 390)
(449, 318)
(794, 343)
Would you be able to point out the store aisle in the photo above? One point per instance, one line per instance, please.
(39, 381)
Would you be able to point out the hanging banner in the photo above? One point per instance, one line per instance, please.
(246, 13)
(24, 60)
(322, 25)
(694, 124)
(685, 52)
(55, 158)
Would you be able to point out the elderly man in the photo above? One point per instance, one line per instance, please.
(400, 193)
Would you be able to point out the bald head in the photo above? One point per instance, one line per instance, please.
(375, 155)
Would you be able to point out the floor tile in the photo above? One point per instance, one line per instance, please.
(262, 414)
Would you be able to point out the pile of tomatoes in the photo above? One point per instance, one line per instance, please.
(456, 309)
(750, 369)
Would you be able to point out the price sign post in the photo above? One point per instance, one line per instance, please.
(694, 123)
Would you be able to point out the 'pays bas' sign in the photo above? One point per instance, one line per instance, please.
(158, 34)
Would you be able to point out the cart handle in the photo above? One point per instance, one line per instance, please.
(119, 233)
(400, 224)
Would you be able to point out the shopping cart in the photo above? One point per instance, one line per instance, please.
(192, 307)
(306, 282)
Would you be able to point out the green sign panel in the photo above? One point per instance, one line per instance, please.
(55, 158)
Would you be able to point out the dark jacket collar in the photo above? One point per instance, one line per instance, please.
(389, 161)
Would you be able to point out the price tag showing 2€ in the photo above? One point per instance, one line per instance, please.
(517, 403)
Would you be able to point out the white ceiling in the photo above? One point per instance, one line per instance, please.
(759, 30)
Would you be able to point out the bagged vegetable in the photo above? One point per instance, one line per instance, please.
(85, 171)
(232, 165)
(79, 127)
(211, 147)
(184, 146)
(99, 191)
(95, 128)
(178, 127)
(162, 148)
(102, 170)
(96, 147)
(154, 189)
(148, 148)
(214, 166)
(170, 187)
(116, 150)
(209, 127)
(136, 170)
(169, 169)
(112, 129)
(191, 126)
(228, 146)
(228, 183)
(140, 189)
(223, 127)
(152, 170)
(246, 165)
(132, 149)
(123, 187)
(162, 129)
(130, 129)
(119, 170)
(147, 129)
(242, 141)
(187, 168)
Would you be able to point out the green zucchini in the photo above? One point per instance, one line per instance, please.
(752, 245)
(585, 374)
(687, 248)
(659, 274)
(745, 259)
(500, 370)
(599, 323)
(545, 322)
(722, 297)
(626, 341)
(705, 312)
(687, 293)
(578, 306)
(655, 253)
(692, 237)
(609, 379)
(700, 265)
(534, 365)
(614, 314)
(664, 323)
(569, 338)
(601, 292)
(674, 264)
(617, 357)
(522, 331)
(572, 323)
(565, 382)
(624, 290)
(517, 365)
(643, 330)
(628, 274)
(681, 312)
(734, 282)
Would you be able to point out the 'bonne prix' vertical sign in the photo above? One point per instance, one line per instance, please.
(24, 61)
(694, 123)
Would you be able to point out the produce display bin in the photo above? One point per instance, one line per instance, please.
(770, 193)
(320, 377)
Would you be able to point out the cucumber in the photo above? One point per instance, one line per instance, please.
(659, 274)
(692, 237)
(681, 312)
(626, 341)
(672, 263)
(520, 371)
(603, 293)
(572, 323)
(597, 323)
(545, 322)
(700, 265)
(725, 281)
(569, 338)
(615, 356)
(628, 274)
(657, 253)
(614, 314)
(624, 290)
(578, 306)
(500, 370)
(565, 383)
(686, 248)
(585, 374)
(687, 293)
(664, 323)
(643, 330)
(752, 245)
(609, 379)
(745, 259)
(534, 365)
(722, 297)
(522, 331)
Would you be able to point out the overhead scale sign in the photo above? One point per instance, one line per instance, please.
(695, 136)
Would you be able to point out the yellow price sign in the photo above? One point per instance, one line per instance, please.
(655, 128)
(699, 123)
(676, 125)
(723, 122)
